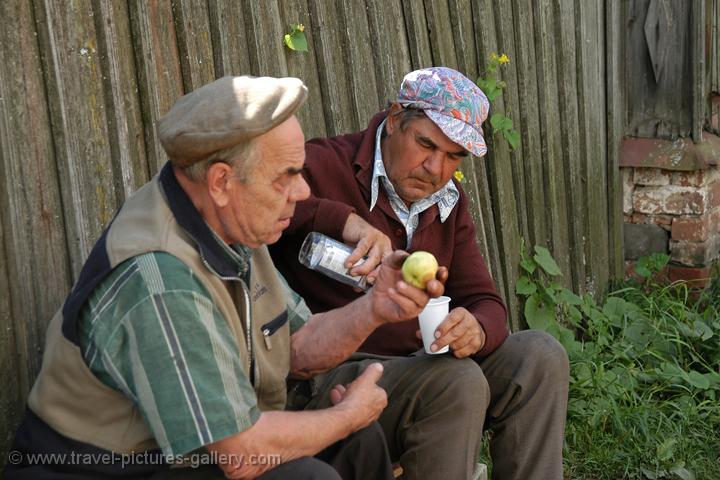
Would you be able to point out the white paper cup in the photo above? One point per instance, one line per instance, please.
(430, 318)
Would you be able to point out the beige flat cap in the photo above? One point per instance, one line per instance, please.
(226, 112)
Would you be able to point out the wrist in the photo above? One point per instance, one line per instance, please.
(375, 320)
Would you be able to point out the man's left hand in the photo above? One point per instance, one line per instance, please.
(462, 332)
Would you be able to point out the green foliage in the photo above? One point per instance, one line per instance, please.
(492, 86)
(296, 40)
(645, 372)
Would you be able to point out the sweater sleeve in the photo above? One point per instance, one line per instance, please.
(471, 286)
(317, 214)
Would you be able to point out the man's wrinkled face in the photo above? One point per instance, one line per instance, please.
(260, 208)
(420, 159)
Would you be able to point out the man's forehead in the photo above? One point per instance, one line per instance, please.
(424, 127)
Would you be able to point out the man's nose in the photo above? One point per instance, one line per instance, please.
(300, 189)
(434, 162)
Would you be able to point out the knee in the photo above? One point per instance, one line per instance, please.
(308, 468)
(461, 380)
(546, 354)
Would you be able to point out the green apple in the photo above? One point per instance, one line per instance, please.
(419, 268)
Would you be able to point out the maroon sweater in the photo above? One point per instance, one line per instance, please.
(339, 171)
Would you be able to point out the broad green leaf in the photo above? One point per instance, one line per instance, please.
(698, 380)
(513, 138)
(569, 297)
(537, 314)
(543, 258)
(296, 41)
(648, 474)
(703, 329)
(682, 472)
(525, 286)
(666, 449)
(528, 265)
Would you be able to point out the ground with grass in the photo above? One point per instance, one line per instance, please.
(645, 373)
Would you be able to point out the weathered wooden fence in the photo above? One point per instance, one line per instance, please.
(83, 82)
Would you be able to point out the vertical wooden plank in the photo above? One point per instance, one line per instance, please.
(227, 33)
(31, 206)
(697, 56)
(158, 69)
(477, 188)
(591, 107)
(360, 63)
(192, 26)
(332, 70)
(304, 66)
(615, 101)
(389, 45)
(550, 135)
(440, 33)
(500, 177)
(658, 68)
(11, 370)
(529, 123)
(73, 74)
(573, 163)
(463, 29)
(122, 103)
(510, 106)
(265, 35)
(346, 74)
(417, 33)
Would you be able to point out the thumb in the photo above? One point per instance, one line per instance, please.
(371, 375)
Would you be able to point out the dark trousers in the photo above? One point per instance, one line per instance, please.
(361, 456)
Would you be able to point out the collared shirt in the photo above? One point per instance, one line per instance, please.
(129, 347)
(446, 198)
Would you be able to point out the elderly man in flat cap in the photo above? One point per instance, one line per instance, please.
(397, 175)
(176, 341)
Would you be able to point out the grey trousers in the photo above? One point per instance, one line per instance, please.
(438, 406)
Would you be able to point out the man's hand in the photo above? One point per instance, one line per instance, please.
(461, 331)
(362, 398)
(368, 241)
(394, 300)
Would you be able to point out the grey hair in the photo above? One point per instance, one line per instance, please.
(241, 157)
(405, 115)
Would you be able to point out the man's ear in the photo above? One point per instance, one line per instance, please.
(218, 183)
(391, 123)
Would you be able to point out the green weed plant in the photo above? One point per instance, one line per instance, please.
(644, 365)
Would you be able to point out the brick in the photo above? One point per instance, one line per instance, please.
(698, 178)
(651, 177)
(713, 195)
(670, 199)
(630, 273)
(695, 254)
(696, 228)
(664, 221)
(643, 240)
(697, 277)
(628, 186)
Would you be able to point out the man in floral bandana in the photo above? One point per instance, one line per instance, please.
(391, 187)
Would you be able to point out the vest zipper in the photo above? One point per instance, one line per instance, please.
(253, 370)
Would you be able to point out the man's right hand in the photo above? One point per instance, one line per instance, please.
(363, 398)
(369, 242)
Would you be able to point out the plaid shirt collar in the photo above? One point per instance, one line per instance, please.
(224, 260)
(446, 198)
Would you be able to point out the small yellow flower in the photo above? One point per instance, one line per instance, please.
(503, 59)
(301, 28)
(494, 56)
(459, 176)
